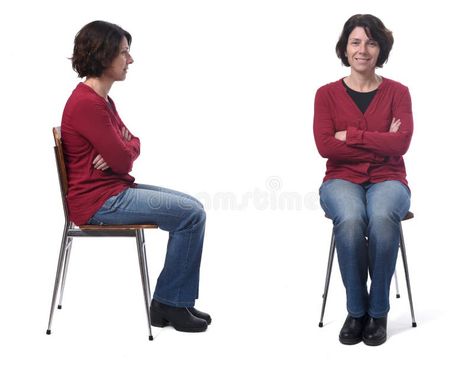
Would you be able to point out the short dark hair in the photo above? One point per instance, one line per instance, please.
(95, 47)
(374, 28)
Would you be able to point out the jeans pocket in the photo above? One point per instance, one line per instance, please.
(110, 205)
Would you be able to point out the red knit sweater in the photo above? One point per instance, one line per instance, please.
(91, 126)
(371, 153)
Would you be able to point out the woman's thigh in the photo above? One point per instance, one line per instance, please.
(342, 200)
(166, 208)
(388, 199)
(168, 191)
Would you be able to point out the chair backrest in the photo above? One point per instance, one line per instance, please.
(61, 166)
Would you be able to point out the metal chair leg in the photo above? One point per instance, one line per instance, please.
(59, 278)
(65, 269)
(405, 265)
(407, 276)
(332, 248)
(140, 237)
(396, 282)
(146, 267)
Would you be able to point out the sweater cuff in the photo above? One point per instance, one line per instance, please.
(354, 136)
(134, 147)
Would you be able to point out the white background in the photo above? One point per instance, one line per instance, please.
(221, 96)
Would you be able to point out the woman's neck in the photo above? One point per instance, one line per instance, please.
(362, 82)
(99, 85)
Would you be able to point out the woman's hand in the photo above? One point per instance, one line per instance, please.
(126, 134)
(99, 163)
(341, 135)
(395, 126)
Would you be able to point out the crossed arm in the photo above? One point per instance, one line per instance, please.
(360, 145)
(99, 162)
(115, 149)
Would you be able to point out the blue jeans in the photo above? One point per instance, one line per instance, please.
(366, 222)
(183, 217)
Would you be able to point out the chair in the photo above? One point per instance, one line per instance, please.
(71, 231)
(332, 249)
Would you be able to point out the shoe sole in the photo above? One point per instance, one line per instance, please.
(163, 323)
(349, 341)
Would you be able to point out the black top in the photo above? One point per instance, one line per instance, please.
(362, 99)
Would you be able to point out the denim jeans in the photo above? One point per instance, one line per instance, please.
(366, 222)
(183, 217)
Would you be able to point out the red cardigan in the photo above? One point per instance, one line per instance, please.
(91, 126)
(371, 153)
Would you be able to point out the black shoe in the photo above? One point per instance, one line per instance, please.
(200, 314)
(375, 332)
(179, 317)
(351, 332)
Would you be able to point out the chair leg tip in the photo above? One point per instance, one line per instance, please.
(414, 325)
(398, 295)
(48, 332)
(60, 306)
(320, 325)
(150, 338)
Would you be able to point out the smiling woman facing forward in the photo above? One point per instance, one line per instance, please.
(363, 125)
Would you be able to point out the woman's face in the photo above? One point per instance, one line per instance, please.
(362, 52)
(118, 68)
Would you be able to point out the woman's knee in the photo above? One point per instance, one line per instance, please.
(195, 215)
(351, 222)
(199, 213)
(385, 215)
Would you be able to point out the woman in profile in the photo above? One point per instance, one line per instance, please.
(363, 125)
(99, 153)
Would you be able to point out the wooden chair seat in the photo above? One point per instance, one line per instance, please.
(409, 215)
(116, 227)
